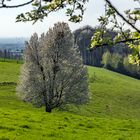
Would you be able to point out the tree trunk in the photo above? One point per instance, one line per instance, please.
(48, 109)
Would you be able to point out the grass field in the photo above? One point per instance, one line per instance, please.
(113, 112)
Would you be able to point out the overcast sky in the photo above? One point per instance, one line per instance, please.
(95, 8)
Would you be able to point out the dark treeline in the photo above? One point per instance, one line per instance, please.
(119, 63)
(11, 54)
(113, 58)
(8, 54)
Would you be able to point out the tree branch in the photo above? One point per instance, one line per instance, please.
(121, 16)
(122, 41)
(3, 5)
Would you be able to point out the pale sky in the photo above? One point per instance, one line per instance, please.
(94, 8)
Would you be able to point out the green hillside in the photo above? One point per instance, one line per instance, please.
(112, 95)
(113, 112)
(9, 71)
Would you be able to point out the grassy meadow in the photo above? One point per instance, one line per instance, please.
(113, 112)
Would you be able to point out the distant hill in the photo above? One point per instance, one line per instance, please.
(12, 43)
(12, 40)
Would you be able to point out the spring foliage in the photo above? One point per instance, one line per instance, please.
(53, 73)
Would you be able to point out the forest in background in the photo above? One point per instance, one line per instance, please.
(113, 58)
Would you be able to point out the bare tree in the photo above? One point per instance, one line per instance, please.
(53, 73)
